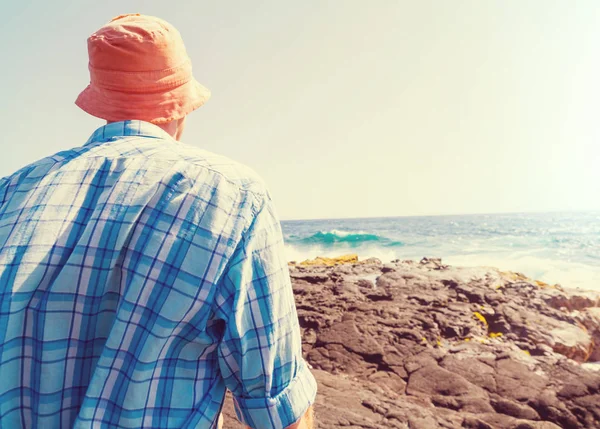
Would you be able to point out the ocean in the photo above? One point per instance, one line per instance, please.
(555, 248)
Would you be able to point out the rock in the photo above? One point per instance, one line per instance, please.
(320, 260)
(434, 263)
(347, 335)
(534, 425)
(475, 371)
(472, 422)
(571, 300)
(572, 342)
(590, 319)
(425, 345)
(514, 409)
(365, 284)
(311, 277)
(371, 261)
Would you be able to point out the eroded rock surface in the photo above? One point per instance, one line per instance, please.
(425, 346)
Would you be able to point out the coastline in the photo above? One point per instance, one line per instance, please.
(425, 344)
(559, 248)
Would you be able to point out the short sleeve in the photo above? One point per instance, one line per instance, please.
(260, 354)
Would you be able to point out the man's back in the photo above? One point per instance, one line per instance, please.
(140, 277)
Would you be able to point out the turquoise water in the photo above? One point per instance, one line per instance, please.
(554, 247)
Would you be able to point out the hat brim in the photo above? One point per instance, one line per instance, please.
(156, 107)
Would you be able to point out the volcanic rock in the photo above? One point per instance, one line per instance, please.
(426, 345)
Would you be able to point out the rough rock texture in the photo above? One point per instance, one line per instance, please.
(422, 345)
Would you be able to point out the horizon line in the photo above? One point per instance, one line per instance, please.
(443, 215)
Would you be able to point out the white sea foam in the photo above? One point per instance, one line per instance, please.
(568, 274)
(342, 233)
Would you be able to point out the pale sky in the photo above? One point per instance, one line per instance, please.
(349, 108)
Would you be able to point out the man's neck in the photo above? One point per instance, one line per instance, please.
(173, 128)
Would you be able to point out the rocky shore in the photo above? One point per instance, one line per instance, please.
(422, 345)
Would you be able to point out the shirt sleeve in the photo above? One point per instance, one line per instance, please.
(260, 354)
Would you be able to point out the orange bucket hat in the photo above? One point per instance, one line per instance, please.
(139, 69)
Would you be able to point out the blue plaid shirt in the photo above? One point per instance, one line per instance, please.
(139, 279)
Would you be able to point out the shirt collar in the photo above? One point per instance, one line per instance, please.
(127, 128)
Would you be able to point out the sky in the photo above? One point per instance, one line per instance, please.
(349, 108)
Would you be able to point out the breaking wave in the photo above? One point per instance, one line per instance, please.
(354, 238)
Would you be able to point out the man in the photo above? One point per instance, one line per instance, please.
(140, 277)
